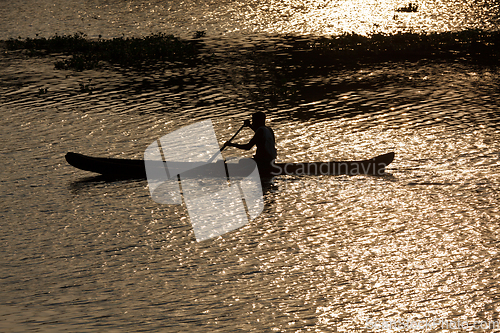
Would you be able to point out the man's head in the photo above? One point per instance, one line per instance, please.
(258, 119)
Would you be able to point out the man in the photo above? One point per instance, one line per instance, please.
(263, 139)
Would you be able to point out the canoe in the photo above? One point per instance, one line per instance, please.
(135, 168)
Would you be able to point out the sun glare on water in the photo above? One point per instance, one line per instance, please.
(363, 17)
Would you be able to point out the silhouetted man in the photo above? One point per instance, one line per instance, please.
(263, 139)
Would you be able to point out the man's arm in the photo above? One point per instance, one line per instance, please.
(247, 146)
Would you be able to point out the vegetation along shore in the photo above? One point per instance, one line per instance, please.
(82, 53)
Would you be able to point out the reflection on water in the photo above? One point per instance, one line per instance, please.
(223, 17)
(326, 253)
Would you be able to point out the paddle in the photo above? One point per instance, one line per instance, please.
(235, 134)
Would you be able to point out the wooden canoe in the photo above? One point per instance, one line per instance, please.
(135, 168)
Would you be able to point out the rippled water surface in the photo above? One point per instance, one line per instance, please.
(328, 253)
(183, 18)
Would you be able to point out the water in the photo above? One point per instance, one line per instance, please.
(82, 254)
(182, 18)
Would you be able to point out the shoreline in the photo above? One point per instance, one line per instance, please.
(84, 53)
